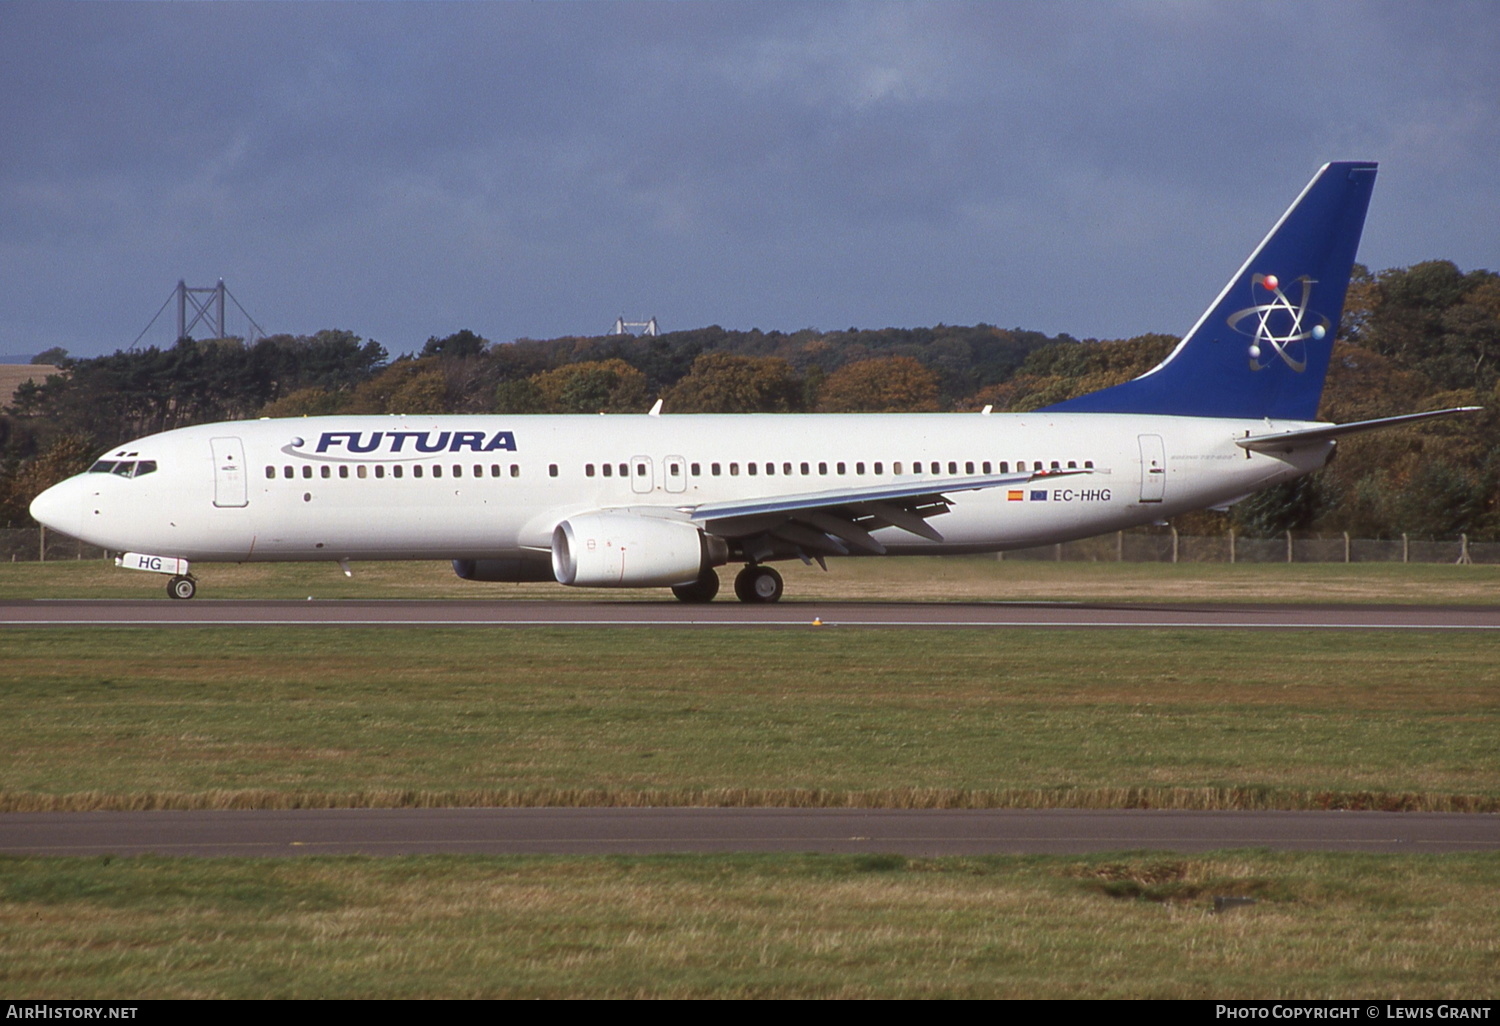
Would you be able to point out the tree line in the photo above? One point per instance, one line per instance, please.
(1413, 338)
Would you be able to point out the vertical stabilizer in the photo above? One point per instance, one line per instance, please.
(1262, 348)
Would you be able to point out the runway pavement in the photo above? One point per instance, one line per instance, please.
(501, 613)
(645, 831)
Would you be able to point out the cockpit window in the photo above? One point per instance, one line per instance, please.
(124, 468)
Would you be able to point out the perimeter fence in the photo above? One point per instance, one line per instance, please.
(1170, 547)
(30, 544)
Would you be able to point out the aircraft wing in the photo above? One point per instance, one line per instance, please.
(840, 519)
(1286, 441)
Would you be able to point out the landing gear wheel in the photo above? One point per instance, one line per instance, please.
(758, 584)
(182, 588)
(702, 590)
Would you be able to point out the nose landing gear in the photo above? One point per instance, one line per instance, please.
(180, 587)
(758, 584)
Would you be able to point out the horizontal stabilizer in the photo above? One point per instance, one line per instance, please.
(1286, 441)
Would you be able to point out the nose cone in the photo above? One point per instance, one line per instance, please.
(61, 507)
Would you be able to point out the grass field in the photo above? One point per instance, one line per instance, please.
(274, 716)
(1120, 926)
(894, 579)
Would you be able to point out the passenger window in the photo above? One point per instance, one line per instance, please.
(416, 471)
(750, 469)
(1055, 466)
(986, 466)
(270, 471)
(515, 470)
(285, 472)
(344, 470)
(840, 469)
(478, 470)
(969, 467)
(879, 468)
(770, 468)
(380, 470)
(624, 470)
(786, 468)
(805, 470)
(734, 470)
(437, 470)
(609, 470)
(952, 467)
(588, 470)
(494, 470)
(361, 470)
(306, 471)
(674, 470)
(325, 472)
(1088, 464)
(713, 468)
(896, 468)
(823, 469)
(1072, 464)
(697, 470)
(859, 468)
(1004, 467)
(552, 470)
(396, 470)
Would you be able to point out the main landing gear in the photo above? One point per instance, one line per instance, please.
(757, 584)
(180, 587)
(752, 584)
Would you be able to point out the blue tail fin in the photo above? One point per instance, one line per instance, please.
(1262, 348)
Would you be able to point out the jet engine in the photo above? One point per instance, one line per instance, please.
(622, 550)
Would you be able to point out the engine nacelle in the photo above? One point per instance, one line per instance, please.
(508, 570)
(622, 550)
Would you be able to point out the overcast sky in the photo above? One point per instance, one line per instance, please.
(404, 170)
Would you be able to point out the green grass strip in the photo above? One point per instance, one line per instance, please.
(278, 717)
(872, 926)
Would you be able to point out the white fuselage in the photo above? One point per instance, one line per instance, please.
(486, 487)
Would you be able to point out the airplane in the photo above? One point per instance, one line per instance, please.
(657, 500)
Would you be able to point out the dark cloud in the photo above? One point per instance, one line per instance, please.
(404, 170)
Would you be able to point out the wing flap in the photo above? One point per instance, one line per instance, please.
(843, 518)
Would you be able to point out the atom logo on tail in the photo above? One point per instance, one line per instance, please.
(1280, 325)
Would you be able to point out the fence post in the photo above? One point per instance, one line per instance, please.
(1057, 553)
(1346, 546)
(1463, 551)
(1119, 546)
(1174, 543)
(1289, 546)
(41, 545)
(1231, 546)
(1405, 549)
